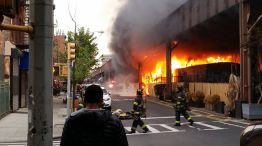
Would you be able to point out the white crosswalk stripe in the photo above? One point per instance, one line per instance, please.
(55, 143)
(167, 128)
(210, 127)
(225, 123)
(153, 130)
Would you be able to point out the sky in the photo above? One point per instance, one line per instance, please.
(95, 15)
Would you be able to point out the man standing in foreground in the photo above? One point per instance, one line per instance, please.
(93, 125)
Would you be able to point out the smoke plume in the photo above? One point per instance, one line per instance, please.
(135, 18)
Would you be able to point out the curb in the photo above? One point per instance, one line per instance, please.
(210, 114)
(25, 140)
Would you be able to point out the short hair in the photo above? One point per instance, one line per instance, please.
(93, 94)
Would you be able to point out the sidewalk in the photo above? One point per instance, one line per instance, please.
(14, 126)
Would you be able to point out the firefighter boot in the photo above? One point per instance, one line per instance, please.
(132, 131)
(177, 123)
(191, 122)
(145, 130)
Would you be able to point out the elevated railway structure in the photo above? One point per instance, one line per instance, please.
(221, 25)
(213, 25)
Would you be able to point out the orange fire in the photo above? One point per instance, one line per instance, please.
(158, 74)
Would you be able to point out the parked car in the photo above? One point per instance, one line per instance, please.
(106, 97)
(252, 135)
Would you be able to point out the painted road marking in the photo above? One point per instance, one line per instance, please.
(167, 117)
(153, 130)
(169, 128)
(129, 129)
(211, 127)
(229, 124)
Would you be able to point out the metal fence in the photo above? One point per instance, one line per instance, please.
(4, 98)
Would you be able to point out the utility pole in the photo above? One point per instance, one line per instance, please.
(40, 108)
(74, 70)
(68, 99)
(70, 59)
(74, 63)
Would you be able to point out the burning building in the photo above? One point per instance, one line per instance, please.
(208, 34)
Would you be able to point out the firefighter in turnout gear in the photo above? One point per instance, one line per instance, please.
(137, 112)
(181, 106)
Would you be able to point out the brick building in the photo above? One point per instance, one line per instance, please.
(59, 46)
(13, 44)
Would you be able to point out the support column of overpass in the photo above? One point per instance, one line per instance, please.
(245, 71)
(249, 12)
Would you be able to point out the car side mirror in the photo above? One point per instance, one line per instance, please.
(109, 93)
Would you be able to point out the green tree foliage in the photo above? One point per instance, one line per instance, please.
(62, 56)
(86, 52)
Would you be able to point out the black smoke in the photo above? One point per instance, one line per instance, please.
(134, 20)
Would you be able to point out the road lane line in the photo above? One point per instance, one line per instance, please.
(169, 128)
(229, 124)
(153, 130)
(168, 117)
(149, 133)
(210, 126)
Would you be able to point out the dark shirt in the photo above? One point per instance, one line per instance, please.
(93, 128)
(138, 104)
(180, 101)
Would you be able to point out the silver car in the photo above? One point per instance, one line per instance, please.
(106, 99)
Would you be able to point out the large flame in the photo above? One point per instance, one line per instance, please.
(158, 74)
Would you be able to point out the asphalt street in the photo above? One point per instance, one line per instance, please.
(208, 129)
(160, 120)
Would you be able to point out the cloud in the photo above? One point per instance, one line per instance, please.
(97, 15)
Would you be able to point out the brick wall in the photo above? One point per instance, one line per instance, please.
(4, 36)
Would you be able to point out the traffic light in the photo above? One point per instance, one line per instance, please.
(71, 51)
(64, 70)
(8, 7)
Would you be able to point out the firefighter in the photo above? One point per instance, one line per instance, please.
(137, 112)
(181, 106)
